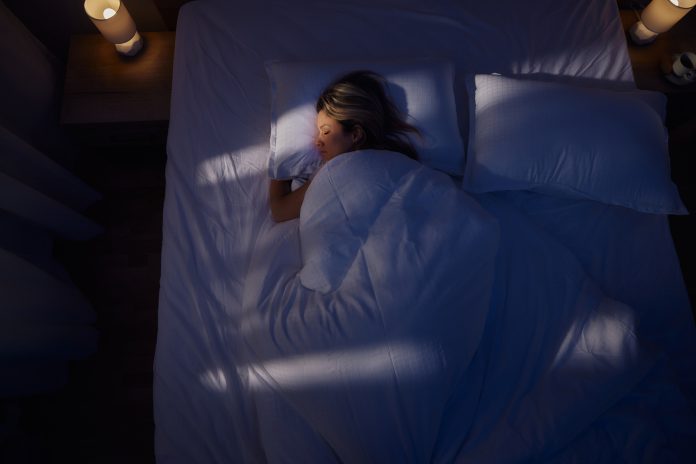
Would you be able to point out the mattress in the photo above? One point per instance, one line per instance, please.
(216, 213)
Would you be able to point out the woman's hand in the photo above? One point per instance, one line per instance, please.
(286, 203)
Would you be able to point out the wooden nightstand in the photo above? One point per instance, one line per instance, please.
(681, 122)
(646, 61)
(681, 100)
(111, 99)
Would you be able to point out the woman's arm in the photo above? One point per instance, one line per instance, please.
(285, 203)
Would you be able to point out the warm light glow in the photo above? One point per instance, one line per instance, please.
(658, 17)
(641, 34)
(108, 13)
(115, 23)
(132, 46)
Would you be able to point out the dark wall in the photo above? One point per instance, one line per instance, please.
(53, 22)
(633, 4)
(29, 86)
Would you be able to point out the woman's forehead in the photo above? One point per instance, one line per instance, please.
(325, 120)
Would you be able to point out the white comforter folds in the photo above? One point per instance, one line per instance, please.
(367, 340)
(402, 322)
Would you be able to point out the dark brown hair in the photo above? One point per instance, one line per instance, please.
(359, 99)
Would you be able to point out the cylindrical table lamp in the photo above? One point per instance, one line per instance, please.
(115, 23)
(658, 17)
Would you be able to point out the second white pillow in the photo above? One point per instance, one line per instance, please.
(605, 145)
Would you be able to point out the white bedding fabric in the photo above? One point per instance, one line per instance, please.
(369, 369)
(219, 383)
(369, 374)
(532, 135)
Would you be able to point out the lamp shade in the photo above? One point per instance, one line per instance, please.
(115, 23)
(112, 19)
(660, 15)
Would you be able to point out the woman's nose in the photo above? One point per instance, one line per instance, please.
(318, 142)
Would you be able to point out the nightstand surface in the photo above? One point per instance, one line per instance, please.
(103, 86)
(645, 59)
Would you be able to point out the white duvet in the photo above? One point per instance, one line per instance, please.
(380, 328)
(365, 315)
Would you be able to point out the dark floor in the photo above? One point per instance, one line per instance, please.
(682, 147)
(104, 415)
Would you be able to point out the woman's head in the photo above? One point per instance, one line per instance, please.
(354, 113)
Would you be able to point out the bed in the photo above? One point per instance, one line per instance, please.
(504, 301)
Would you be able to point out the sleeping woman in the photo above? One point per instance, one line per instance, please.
(353, 113)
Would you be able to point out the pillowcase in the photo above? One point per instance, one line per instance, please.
(421, 89)
(599, 144)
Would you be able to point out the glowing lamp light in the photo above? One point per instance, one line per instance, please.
(658, 17)
(116, 25)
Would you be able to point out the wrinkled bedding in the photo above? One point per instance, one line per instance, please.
(225, 391)
(364, 328)
(367, 325)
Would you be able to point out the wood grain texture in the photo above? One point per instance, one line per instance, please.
(102, 86)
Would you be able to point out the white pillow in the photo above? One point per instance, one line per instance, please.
(421, 89)
(605, 145)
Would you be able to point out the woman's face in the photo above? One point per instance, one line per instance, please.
(332, 139)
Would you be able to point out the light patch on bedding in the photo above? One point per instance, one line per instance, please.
(225, 168)
(359, 366)
(607, 333)
(214, 380)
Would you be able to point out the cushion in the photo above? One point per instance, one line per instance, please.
(421, 89)
(567, 140)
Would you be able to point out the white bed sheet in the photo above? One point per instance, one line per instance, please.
(632, 256)
(216, 198)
